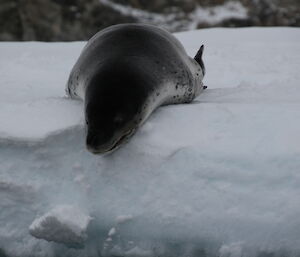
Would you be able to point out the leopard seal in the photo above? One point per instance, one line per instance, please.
(124, 73)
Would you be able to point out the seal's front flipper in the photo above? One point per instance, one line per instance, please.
(198, 58)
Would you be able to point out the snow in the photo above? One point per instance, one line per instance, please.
(124, 218)
(223, 181)
(215, 14)
(64, 224)
(111, 232)
(32, 79)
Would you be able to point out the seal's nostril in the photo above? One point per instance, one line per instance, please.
(89, 139)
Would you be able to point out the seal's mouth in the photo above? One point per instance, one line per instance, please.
(121, 140)
(115, 145)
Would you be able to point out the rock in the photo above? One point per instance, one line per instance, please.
(67, 20)
(160, 6)
(46, 20)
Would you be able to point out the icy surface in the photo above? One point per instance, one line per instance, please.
(218, 177)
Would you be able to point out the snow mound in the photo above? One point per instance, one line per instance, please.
(217, 177)
(64, 224)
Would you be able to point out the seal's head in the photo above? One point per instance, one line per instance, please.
(113, 110)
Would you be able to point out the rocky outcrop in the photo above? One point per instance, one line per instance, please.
(56, 20)
(264, 13)
(65, 20)
(261, 12)
(274, 12)
(160, 6)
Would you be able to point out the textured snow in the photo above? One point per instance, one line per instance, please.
(218, 177)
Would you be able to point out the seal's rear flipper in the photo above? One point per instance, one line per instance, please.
(198, 58)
